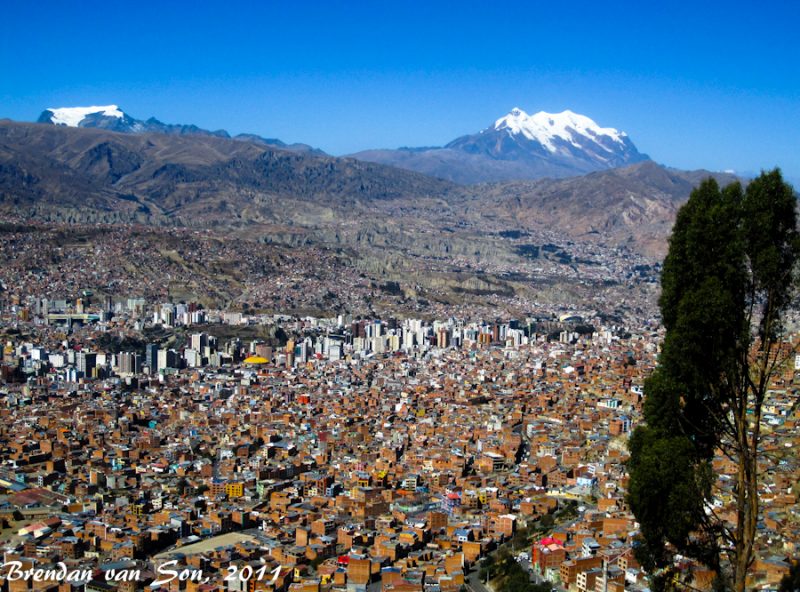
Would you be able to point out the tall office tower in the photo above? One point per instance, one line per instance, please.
(129, 363)
(192, 357)
(86, 362)
(393, 342)
(199, 341)
(442, 338)
(151, 357)
(301, 352)
(197, 317)
(164, 359)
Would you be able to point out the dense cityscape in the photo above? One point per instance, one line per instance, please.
(161, 439)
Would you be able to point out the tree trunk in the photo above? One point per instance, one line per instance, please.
(746, 504)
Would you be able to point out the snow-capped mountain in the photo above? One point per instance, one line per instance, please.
(73, 116)
(567, 138)
(520, 146)
(549, 128)
(109, 117)
(112, 118)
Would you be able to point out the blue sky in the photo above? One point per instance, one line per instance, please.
(696, 85)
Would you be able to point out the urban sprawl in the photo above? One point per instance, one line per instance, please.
(150, 445)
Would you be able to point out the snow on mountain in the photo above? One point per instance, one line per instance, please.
(544, 127)
(73, 116)
(520, 146)
(557, 144)
(114, 119)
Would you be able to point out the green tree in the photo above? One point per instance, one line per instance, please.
(727, 281)
(522, 537)
(485, 572)
(516, 581)
(791, 581)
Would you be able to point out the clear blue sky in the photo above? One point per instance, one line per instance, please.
(707, 84)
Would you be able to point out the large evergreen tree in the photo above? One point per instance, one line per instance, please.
(727, 281)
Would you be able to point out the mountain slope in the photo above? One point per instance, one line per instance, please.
(520, 146)
(634, 205)
(67, 173)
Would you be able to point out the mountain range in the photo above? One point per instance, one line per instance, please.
(112, 118)
(520, 146)
(186, 179)
(81, 167)
(517, 146)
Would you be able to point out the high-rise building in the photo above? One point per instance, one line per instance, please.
(442, 338)
(192, 357)
(129, 363)
(167, 359)
(301, 351)
(199, 341)
(86, 362)
(151, 357)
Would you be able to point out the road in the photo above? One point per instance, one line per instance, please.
(474, 583)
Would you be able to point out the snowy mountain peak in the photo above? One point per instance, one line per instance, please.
(519, 145)
(114, 119)
(548, 128)
(73, 116)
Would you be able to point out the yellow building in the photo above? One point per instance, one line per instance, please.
(234, 489)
